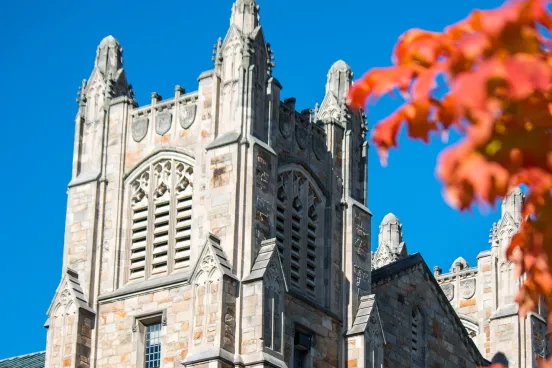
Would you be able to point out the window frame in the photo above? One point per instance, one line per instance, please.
(139, 327)
(174, 217)
(284, 235)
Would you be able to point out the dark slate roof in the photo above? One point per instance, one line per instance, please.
(397, 268)
(34, 360)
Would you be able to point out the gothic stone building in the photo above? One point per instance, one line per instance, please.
(224, 228)
(482, 296)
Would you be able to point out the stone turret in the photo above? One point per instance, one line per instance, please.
(512, 204)
(245, 15)
(340, 79)
(390, 242)
(109, 57)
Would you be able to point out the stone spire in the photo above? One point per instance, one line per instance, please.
(245, 16)
(512, 203)
(109, 57)
(340, 79)
(390, 242)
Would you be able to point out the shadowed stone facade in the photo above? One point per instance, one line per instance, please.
(224, 228)
(484, 296)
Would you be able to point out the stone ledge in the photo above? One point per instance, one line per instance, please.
(85, 178)
(223, 140)
(505, 311)
(146, 286)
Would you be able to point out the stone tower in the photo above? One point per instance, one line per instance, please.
(219, 226)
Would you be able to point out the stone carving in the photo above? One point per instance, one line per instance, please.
(163, 122)
(283, 182)
(448, 289)
(184, 176)
(263, 170)
(362, 276)
(467, 288)
(264, 207)
(162, 172)
(361, 235)
(139, 128)
(187, 116)
(301, 136)
(298, 182)
(285, 123)
(208, 263)
(314, 202)
(319, 147)
(140, 188)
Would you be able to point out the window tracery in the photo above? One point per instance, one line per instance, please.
(161, 219)
(299, 209)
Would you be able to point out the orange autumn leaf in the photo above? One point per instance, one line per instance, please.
(497, 67)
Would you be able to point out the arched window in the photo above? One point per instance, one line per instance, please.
(273, 312)
(160, 219)
(418, 338)
(299, 208)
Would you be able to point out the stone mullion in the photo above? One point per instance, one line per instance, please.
(150, 225)
(304, 234)
(172, 219)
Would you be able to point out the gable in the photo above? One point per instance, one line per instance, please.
(406, 286)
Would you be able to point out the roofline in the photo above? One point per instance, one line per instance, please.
(414, 260)
(23, 356)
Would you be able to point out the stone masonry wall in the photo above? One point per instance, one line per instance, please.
(443, 343)
(325, 329)
(118, 343)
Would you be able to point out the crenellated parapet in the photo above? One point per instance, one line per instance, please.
(300, 134)
(162, 117)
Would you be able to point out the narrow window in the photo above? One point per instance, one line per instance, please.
(153, 346)
(417, 339)
(302, 347)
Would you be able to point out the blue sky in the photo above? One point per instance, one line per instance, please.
(48, 47)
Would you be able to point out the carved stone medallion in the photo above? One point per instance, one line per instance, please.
(318, 147)
(285, 124)
(301, 136)
(163, 122)
(187, 116)
(467, 288)
(448, 289)
(139, 128)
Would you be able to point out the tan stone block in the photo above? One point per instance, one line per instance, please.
(465, 303)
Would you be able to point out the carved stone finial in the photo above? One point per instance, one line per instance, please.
(155, 97)
(245, 15)
(340, 79)
(270, 61)
(513, 203)
(179, 90)
(109, 56)
(391, 246)
(437, 271)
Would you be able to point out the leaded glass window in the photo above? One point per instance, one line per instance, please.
(153, 346)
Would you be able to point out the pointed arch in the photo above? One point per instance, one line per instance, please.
(300, 205)
(158, 197)
(418, 338)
